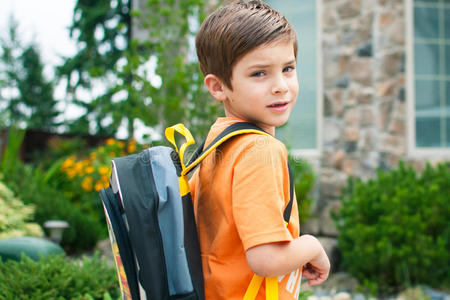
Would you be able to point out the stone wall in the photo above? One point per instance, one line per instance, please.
(363, 46)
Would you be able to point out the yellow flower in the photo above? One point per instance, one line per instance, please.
(103, 170)
(131, 147)
(100, 185)
(121, 144)
(110, 141)
(89, 169)
(71, 173)
(79, 168)
(86, 184)
(68, 162)
(104, 178)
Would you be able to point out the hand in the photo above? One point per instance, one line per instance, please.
(317, 270)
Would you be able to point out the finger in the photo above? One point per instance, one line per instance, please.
(309, 274)
(316, 281)
(309, 268)
(319, 279)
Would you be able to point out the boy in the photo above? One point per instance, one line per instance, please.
(247, 52)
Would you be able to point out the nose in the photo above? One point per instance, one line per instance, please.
(280, 85)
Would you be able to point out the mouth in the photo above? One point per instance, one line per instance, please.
(279, 105)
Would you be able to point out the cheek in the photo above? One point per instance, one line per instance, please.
(294, 87)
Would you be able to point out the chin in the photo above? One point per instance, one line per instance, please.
(280, 123)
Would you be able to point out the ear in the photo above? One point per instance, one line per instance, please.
(215, 87)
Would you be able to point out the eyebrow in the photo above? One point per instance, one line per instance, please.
(265, 66)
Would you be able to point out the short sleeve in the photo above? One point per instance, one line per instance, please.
(260, 192)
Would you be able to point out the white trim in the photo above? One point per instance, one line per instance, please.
(320, 80)
(115, 184)
(428, 153)
(312, 156)
(412, 150)
(410, 95)
(306, 153)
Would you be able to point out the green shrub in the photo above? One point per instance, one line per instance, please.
(84, 231)
(304, 177)
(38, 186)
(15, 217)
(57, 277)
(394, 230)
(10, 156)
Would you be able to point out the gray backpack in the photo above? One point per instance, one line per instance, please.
(151, 222)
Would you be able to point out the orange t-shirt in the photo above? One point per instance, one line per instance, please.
(239, 194)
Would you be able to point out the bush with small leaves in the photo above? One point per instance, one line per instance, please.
(50, 203)
(394, 230)
(58, 277)
(16, 217)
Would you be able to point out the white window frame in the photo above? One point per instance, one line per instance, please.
(414, 151)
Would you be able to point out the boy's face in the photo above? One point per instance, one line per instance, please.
(265, 86)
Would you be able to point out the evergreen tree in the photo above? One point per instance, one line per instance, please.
(27, 97)
(36, 93)
(9, 69)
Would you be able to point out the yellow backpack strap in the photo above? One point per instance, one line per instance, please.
(170, 136)
(230, 131)
(271, 288)
(255, 285)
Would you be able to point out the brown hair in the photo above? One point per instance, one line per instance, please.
(235, 29)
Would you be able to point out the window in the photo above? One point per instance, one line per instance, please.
(302, 130)
(430, 47)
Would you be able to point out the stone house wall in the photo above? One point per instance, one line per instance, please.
(364, 101)
(364, 115)
(364, 109)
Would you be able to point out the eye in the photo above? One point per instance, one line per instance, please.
(288, 69)
(258, 74)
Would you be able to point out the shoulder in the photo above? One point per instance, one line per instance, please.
(260, 142)
(257, 148)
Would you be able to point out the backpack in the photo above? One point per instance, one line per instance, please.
(151, 223)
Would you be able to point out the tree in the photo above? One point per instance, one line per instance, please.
(27, 96)
(182, 96)
(36, 93)
(102, 31)
(129, 94)
(10, 66)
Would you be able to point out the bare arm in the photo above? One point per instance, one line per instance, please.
(277, 259)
